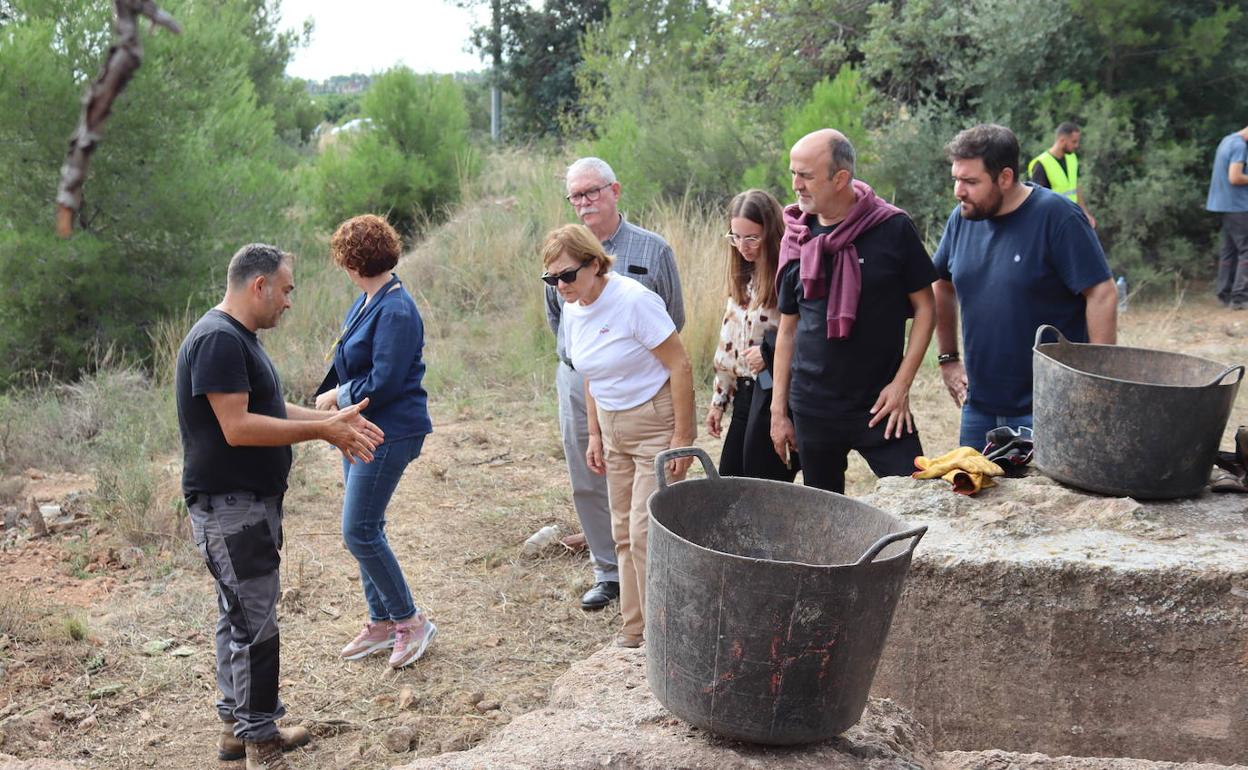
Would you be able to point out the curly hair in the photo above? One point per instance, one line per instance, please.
(366, 244)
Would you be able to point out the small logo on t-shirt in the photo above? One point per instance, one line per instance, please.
(605, 328)
(1018, 258)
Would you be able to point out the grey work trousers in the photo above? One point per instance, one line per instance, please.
(239, 536)
(1233, 258)
(589, 490)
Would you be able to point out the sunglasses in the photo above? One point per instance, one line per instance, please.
(567, 276)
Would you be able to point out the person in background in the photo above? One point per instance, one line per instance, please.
(377, 361)
(594, 193)
(638, 393)
(743, 358)
(1228, 195)
(1057, 168)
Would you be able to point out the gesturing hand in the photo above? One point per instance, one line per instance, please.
(328, 401)
(354, 436)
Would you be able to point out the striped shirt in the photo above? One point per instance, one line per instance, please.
(641, 255)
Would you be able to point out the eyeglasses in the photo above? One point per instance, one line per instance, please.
(567, 276)
(743, 240)
(577, 198)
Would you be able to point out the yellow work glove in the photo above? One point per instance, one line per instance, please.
(965, 468)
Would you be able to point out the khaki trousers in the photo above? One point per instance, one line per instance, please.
(631, 438)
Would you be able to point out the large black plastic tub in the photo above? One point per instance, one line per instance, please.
(1128, 421)
(768, 604)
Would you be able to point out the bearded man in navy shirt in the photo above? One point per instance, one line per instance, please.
(1013, 257)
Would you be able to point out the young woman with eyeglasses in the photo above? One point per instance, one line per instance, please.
(639, 394)
(743, 358)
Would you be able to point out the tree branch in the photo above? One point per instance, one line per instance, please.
(123, 58)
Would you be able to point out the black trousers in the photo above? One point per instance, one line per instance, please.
(824, 444)
(747, 445)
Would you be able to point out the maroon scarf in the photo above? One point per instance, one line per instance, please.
(837, 250)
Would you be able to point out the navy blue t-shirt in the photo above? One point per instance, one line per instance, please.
(1012, 275)
(843, 378)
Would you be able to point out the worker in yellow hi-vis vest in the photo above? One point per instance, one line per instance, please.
(1057, 168)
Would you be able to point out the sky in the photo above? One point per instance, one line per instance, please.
(373, 35)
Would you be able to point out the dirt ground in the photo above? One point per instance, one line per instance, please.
(136, 688)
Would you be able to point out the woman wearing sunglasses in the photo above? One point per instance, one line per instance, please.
(639, 394)
(378, 356)
(746, 339)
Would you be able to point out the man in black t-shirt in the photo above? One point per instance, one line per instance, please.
(853, 270)
(236, 434)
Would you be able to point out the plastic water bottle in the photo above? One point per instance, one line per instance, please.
(540, 539)
(1121, 283)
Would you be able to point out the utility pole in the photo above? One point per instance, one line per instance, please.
(496, 78)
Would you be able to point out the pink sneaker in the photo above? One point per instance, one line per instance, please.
(375, 637)
(411, 639)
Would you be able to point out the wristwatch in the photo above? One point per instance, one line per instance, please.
(948, 358)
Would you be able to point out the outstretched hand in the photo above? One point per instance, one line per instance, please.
(355, 436)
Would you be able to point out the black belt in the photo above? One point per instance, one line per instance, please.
(227, 498)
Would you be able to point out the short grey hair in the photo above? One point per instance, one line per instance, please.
(843, 157)
(254, 259)
(598, 166)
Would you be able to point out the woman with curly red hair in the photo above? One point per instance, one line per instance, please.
(378, 357)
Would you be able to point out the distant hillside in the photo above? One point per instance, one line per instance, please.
(354, 83)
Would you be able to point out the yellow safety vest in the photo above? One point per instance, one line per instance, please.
(1061, 182)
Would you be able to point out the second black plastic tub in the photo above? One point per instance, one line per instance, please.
(768, 604)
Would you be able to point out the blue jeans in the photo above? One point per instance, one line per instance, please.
(368, 488)
(976, 423)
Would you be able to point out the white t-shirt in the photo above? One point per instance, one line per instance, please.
(610, 339)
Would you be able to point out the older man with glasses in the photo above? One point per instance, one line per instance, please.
(643, 256)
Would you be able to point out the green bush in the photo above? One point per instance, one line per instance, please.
(187, 171)
(405, 161)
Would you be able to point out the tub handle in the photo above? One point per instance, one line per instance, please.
(917, 533)
(1238, 369)
(1061, 340)
(660, 461)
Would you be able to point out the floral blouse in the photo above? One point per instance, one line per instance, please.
(742, 329)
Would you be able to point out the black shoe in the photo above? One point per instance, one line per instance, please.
(600, 595)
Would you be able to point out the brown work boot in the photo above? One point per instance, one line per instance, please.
(230, 746)
(266, 755)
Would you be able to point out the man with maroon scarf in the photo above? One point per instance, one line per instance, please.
(852, 271)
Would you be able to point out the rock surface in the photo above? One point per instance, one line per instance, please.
(1004, 760)
(1040, 618)
(601, 715)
